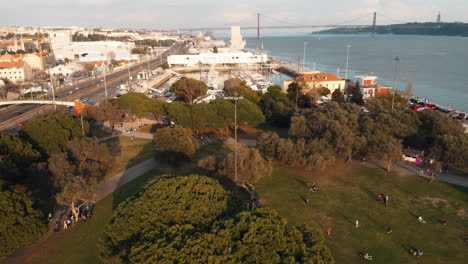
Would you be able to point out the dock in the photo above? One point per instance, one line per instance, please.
(290, 69)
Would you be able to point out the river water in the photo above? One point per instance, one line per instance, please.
(438, 66)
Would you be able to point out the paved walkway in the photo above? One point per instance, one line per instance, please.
(103, 189)
(445, 177)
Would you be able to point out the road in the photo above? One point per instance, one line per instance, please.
(93, 89)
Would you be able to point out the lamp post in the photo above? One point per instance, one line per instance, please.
(53, 90)
(105, 83)
(397, 61)
(304, 57)
(236, 97)
(347, 60)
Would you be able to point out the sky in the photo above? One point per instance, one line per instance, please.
(173, 14)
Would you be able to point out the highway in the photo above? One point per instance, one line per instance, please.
(92, 89)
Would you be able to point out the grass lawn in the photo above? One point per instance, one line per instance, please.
(349, 194)
(128, 153)
(78, 245)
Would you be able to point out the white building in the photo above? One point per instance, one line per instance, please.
(237, 42)
(17, 71)
(217, 58)
(88, 51)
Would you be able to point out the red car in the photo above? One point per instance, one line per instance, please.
(430, 106)
(21, 124)
(417, 108)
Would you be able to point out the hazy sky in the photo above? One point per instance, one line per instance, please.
(156, 14)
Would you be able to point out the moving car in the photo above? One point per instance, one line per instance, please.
(20, 124)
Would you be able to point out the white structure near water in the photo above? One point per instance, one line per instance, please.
(217, 58)
(89, 51)
(237, 42)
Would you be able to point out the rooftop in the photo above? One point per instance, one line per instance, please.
(12, 64)
(319, 77)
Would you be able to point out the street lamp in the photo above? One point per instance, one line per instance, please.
(347, 60)
(105, 83)
(397, 61)
(304, 62)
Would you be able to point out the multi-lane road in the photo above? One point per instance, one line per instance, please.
(92, 89)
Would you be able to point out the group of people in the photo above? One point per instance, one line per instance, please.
(382, 198)
(84, 213)
(252, 204)
(416, 252)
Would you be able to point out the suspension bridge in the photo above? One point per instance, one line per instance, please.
(282, 24)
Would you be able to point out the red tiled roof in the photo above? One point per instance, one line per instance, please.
(320, 77)
(12, 64)
(44, 53)
(99, 63)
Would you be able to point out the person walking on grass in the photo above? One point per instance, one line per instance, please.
(389, 229)
(356, 224)
(386, 200)
(329, 231)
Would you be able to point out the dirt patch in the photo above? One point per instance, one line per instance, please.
(462, 213)
(324, 177)
(436, 202)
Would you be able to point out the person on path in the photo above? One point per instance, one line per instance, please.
(356, 224)
(389, 229)
(386, 200)
(420, 219)
(329, 231)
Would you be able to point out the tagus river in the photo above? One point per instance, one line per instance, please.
(438, 66)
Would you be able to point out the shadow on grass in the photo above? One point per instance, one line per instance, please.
(369, 192)
(347, 218)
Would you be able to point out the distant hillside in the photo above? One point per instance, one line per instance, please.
(433, 29)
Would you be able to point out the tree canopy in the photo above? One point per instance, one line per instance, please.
(244, 91)
(189, 89)
(21, 223)
(218, 114)
(166, 202)
(51, 135)
(276, 107)
(139, 105)
(251, 167)
(175, 143)
(185, 220)
(19, 152)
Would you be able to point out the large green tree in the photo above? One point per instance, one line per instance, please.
(251, 167)
(218, 114)
(245, 92)
(276, 107)
(175, 143)
(21, 224)
(139, 105)
(189, 89)
(52, 134)
(260, 236)
(356, 94)
(338, 97)
(15, 154)
(192, 202)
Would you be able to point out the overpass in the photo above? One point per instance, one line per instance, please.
(78, 105)
(39, 102)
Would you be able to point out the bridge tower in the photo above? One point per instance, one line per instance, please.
(258, 25)
(438, 18)
(374, 25)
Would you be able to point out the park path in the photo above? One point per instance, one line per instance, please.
(444, 177)
(103, 189)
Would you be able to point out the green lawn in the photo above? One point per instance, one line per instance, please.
(78, 245)
(128, 153)
(349, 195)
